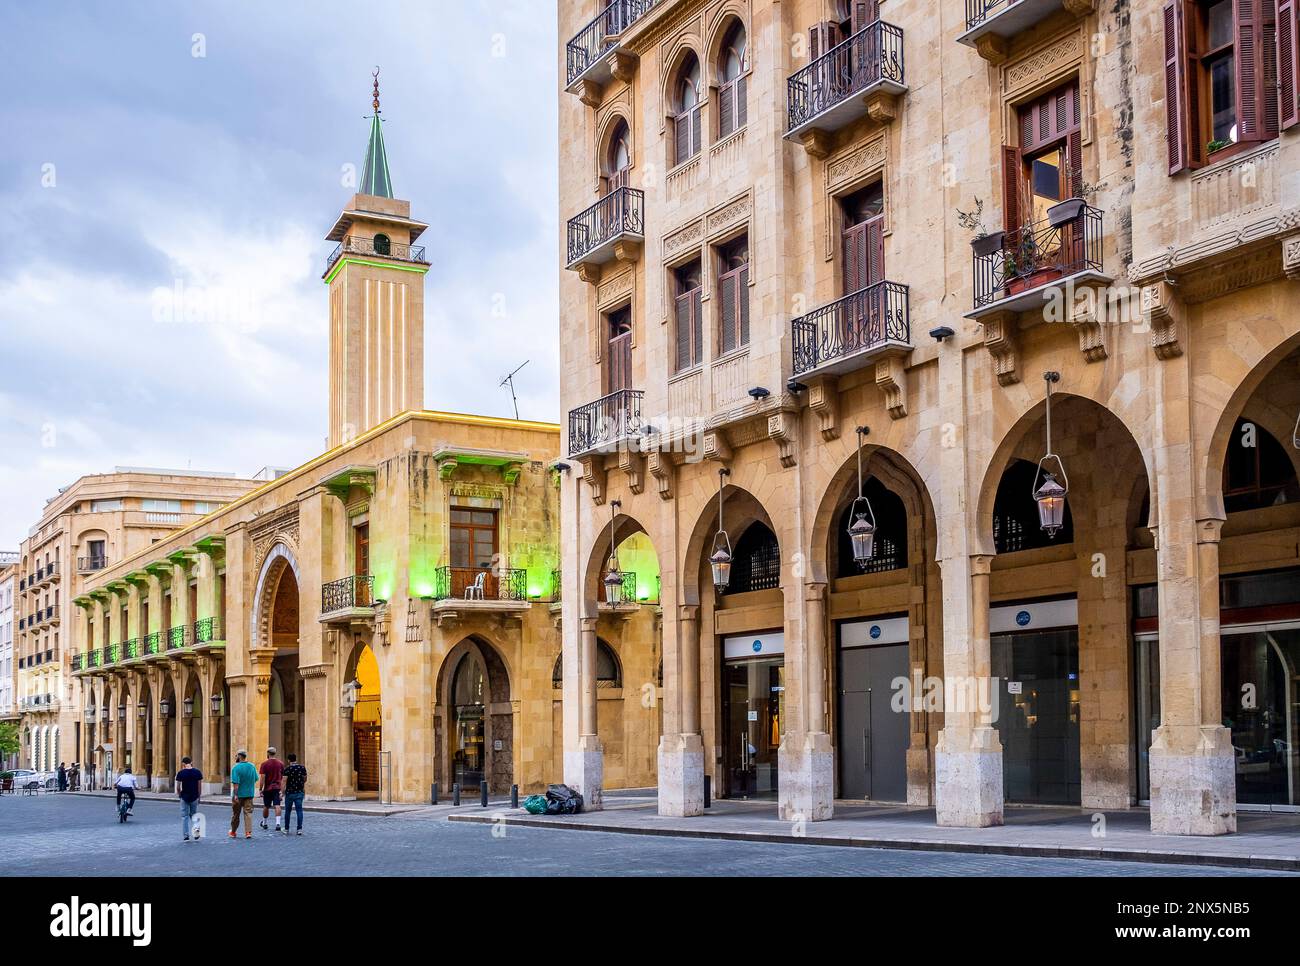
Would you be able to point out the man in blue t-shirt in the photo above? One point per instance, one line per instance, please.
(188, 787)
(243, 785)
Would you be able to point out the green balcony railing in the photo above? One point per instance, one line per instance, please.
(207, 630)
(153, 643)
(131, 648)
(179, 636)
(77, 662)
(93, 657)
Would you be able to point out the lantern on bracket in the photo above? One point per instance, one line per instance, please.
(188, 705)
(141, 709)
(862, 531)
(165, 708)
(613, 579)
(1050, 482)
(720, 561)
(217, 703)
(121, 712)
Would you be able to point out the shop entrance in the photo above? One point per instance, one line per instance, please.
(753, 696)
(872, 737)
(1036, 667)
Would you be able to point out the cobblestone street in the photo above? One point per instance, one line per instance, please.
(77, 835)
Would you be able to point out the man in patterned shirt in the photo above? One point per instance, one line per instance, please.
(295, 787)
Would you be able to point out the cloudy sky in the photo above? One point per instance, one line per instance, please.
(144, 169)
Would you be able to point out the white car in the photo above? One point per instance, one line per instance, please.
(25, 776)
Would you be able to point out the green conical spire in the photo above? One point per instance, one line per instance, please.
(374, 176)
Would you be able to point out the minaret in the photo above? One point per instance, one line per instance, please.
(376, 291)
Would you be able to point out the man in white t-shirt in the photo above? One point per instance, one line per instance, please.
(125, 785)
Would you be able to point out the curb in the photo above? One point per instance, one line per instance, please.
(1256, 862)
(322, 808)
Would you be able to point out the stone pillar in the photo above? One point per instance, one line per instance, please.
(1193, 770)
(681, 756)
(806, 761)
(584, 769)
(163, 771)
(968, 756)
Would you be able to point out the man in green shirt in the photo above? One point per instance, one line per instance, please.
(243, 786)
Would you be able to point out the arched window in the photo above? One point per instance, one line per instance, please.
(1257, 471)
(619, 159)
(609, 673)
(1015, 514)
(686, 103)
(756, 561)
(382, 245)
(467, 685)
(891, 533)
(733, 68)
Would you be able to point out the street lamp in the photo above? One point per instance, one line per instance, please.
(121, 712)
(613, 579)
(141, 709)
(1050, 493)
(188, 705)
(165, 708)
(862, 531)
(721, 559)
(217, 701)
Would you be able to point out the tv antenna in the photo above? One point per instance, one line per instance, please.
(510, 380)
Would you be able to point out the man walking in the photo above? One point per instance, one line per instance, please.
(272, 771)
(243, 785)
(188, 781)
(295, 789)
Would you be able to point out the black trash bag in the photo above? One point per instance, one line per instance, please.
(562, 800)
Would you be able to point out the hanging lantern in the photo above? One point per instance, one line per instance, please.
(90, 714)
(165, 708)
(141, 710)
(121, 712)
(862, 531)
(217, 701)
(1050, 485)
(188, 705)
(613, 579)
(103, 714)
(720, 561)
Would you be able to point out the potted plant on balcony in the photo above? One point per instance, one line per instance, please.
(984, 242)
(1065, 212)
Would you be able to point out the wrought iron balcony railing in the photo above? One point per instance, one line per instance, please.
(465, 583)
(182, 635)
(131, 648)
(153, 643)
(207, 630)
(112, 653)
(94, 657)
(626, 593)
(593, 40)
(872, 56)
(871, 318)
(355, 245)
(619, 213)
(1038, 254)
(556, 584)
(347, 592)
(52, 570)
(87, 565)
(78, 662)
(601, 424)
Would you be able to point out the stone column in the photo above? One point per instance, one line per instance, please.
(968, 756)
(807, 762)
(681, 756)
(584, 769)
(162, 766)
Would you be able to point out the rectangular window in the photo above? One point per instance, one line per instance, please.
(733, 295)
(105, 506)
(161, 506)
(205, 507)
(688, 309)
(618, 357)
(473, 538)
(361, 549)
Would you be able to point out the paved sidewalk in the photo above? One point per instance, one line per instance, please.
(1264, 840)
(358, 807)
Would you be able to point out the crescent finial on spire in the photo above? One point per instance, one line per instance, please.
(375, 75)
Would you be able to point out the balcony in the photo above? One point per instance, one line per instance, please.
(153, 645)
(368, 248)
(857, 78)
(131, 649)
(94, 657)
(603, 424)
(1020, 270)
(624, 595)
(208, 630)
(78, 662)
(462, 583)
(88, 565)
(52, 615)
(990, 24)
(346, 599)
(852, 331)
(52, 571)
(588, 56)
(612, 228)
(110, 654)
(180, 637)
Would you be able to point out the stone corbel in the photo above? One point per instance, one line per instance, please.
(716, 447)
(381, 624)
(1291, 257)
(1164, 314)
(622, 65)
(447, 469)
(593, 474)
(882, 107)
(824, 400)
(510, 473)
(891, 378)
(1087, 323)
(632, 463)
(1000, 340)
(993, 48)
(816, 142)
(589, 92)
(589, 272)
(782, 429)
(627, 249)
(661, 468)
(1080, 8)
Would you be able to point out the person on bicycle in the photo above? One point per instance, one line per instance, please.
(125, 785)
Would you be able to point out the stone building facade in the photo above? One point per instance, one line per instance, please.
(804, 233)
(388, 611)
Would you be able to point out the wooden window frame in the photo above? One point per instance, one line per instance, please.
(692, 301)
(736, 281)
(471, 528)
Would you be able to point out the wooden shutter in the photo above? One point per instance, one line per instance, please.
(874, 241)
(681, 138)
(729, 319)
(683, 331)
(1256, 58)
(855, 258)
(620, 363)
(861, 13)
(697, 327)
(726, 109)
(1182, 94)
(1011, 175)
(1288, 63)
(742, 111)
(742, 300)
(696, 114)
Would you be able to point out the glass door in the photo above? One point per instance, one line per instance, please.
(1261, 707)
(754, 694)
